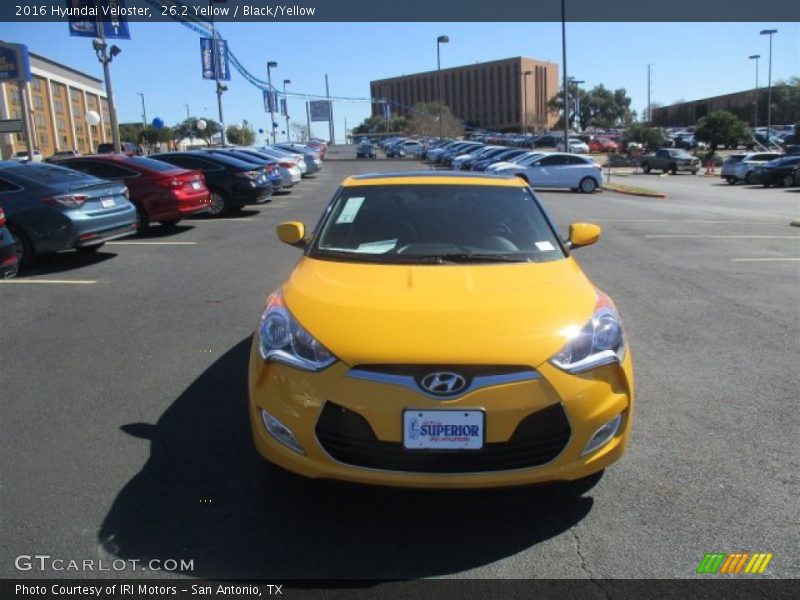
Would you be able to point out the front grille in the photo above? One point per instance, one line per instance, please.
(347, 437)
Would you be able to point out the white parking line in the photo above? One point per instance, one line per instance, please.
(235, 219)
(152, 243)
(763, 259)
(726, 237)
(53, 281)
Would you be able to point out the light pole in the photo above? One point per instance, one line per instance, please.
(649, 105)
(286, 105)
(271, 65)
(577, 97)
(187, 111)
(105, 59)
(144, 111)
(442, 39)
(525, 100)
(770, 33)
(755, 104)
(564, 60)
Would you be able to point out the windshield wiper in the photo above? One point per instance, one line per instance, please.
(468, 258)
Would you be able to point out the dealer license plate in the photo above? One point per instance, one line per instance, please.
(196, 185)
(107, 202)
(443, 429)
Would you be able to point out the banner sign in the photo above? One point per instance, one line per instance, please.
(213, 53)
(14, 62)
(320, 110)
(284, 110)
(96, 17)
(387, 111)
(270, 101)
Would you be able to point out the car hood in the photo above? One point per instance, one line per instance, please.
(509, 314)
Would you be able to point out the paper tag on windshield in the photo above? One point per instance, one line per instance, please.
(350, 210)
(544, 246)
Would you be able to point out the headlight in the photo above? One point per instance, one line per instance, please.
(282, 339)
(599, 342)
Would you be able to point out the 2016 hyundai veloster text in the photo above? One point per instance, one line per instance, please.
(438, 333)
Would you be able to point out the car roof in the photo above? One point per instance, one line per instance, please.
(432, 178)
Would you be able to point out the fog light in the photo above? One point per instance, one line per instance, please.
(603, 435)
(280, 432)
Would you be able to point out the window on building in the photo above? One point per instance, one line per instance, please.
(44, 140)
(36, 84)
(38, 103)
(61, 124)
(14, 95)
(40, 121)
(58, 106)
(75, 95)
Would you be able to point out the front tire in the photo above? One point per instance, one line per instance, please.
(646, 167)
(748, 179)
(674, 169)
(787, 181)
(142, 220)
(587, 185)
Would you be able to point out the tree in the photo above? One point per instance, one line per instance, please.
(649, 137)
(300, 132)
(598, 107)
(722, 128)
(240, 136)
(188, 129)
(425, 120)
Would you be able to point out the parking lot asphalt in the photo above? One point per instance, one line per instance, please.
(125, 431)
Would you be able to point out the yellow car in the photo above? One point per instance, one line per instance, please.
(438, 333)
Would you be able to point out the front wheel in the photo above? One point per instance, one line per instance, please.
(748, 179)
(674, 169)
(646, 168)
(787, 181)
(587, 185)
(732, 180)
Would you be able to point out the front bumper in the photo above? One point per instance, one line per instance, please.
(303, 402)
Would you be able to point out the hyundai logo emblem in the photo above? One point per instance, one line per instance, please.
(443, 383)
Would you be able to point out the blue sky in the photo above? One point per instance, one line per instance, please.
(162, 60)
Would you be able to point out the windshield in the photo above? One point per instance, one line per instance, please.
(436, 224)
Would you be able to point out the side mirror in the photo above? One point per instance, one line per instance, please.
(292, 233)
(583, 234)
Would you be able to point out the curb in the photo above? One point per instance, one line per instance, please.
(639, 194)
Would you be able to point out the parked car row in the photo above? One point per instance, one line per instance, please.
(82, 202)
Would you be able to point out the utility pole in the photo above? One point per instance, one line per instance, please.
(564, 60)
(27, 121)
(308, 120)
(144, 111)
(187, 112)
(755, 104)
(105, 58)
(330, 112)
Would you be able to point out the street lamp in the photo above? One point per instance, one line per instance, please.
(442, 39)
(577, 82)
(271, 65)
(144, 111)
(525, 101)
(755, 104)
(286, 103)
(770, 33)
(100, 47)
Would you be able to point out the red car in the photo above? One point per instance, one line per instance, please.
(602, 144)
(8, 251)
(320, 147)
(160, 191)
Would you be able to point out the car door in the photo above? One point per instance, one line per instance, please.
(547, 171)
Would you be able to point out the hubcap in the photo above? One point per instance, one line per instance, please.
(588, 185)
(217, 204)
